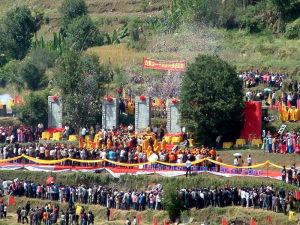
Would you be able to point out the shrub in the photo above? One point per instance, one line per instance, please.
(82, 34)
(126, 120)
(293, 30)
(158, 122)
(71, 9)
(34, 110)
(211, 99)
(172, 202)
(32, 76)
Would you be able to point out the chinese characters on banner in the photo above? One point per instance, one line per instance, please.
(164, 65)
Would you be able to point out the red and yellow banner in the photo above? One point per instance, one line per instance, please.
(41, 161)
(164, 65)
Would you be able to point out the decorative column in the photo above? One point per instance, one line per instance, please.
(54, 112)
(110, 113)
(173, 117)
(142, 113)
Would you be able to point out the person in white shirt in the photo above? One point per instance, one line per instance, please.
(249, 160)
(135, 222)
(249, 95)
(127, 222)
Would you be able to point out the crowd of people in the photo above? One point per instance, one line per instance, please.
(118, 145)
(284, 143)
(264, 197)
(270, 79)
(12, 134)
(122, 155)
(52, 214)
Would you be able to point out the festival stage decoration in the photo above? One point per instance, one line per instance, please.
(252, 120)
(142, 98)
(153, 158)
(109, 99)
(58, 161)
(54, 98)
(164, 65)
(175, 100)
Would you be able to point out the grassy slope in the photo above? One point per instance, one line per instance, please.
(262, 51)
(108, 14)
(214, 215)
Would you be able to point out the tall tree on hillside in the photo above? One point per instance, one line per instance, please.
(81, 80)
(211, 99)
(34, 110)
(19, 27)
(71, 9)
(5, 42)
(82, 34)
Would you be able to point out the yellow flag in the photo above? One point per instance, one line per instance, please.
(10, 104)
(283, 108)
(78, 210)
(292, 216)
(269, 99)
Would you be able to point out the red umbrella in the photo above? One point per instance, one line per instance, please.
(49, 180)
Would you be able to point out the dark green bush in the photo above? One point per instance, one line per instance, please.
(293, 30)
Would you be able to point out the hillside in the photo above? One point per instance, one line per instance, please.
(108, 14)
(264, 50)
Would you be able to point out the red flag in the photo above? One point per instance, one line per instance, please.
(252, 222)
(11, 200)
(270, 220)
(139, 218)
(279, 107)
(111, 213)
(166, 222)
(50, 180)
(224, 222)
(298, 195)
(155, 220)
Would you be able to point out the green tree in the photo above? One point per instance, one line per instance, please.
(81, 80)
(19, 27)
(9, 74)
(34, 110)
(5, 42)
(33, 76)
(120, 78)
(82, 34)
(71, 9)
(42, 58)
(211, 99)
(172, 202)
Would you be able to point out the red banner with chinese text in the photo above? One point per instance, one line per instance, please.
(164, 65)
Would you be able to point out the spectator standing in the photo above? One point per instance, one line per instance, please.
(107, 213)
(188, 165)
(283, 174)
(249, 160)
